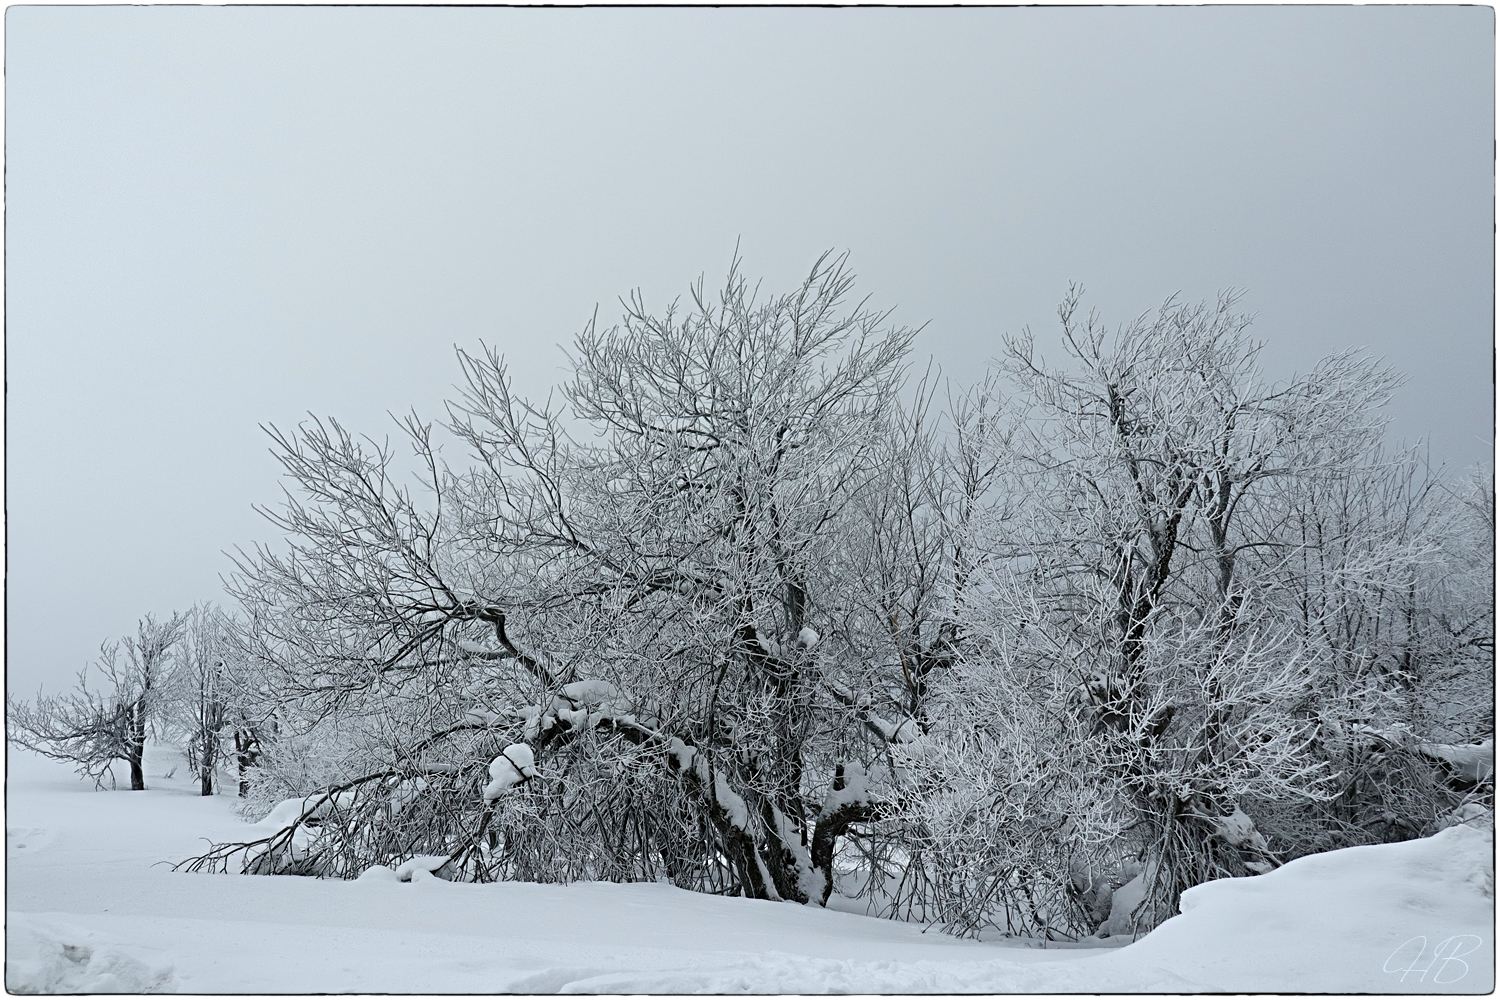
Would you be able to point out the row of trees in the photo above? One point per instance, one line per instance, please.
(182, 680)
(742, 609)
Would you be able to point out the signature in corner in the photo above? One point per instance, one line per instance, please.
(1445, 961)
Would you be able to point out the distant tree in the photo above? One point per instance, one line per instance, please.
(243, 689)
(203, 690)
(95, 727)
(83, 727)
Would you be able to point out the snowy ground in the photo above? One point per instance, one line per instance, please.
(89, 909)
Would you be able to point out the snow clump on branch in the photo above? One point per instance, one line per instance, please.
(515, 764)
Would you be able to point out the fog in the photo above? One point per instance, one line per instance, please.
(223, 218)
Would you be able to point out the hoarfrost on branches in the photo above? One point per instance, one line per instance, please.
(1099, 629)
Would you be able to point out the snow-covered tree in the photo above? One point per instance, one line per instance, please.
(645, 609)
(96, 726)
(724, 611)
(1378, 579)
(208, 695)
(1117, 590)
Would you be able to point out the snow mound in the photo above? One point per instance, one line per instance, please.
(418, 869)
(1413, 917)
(49, 958)
(378, 873)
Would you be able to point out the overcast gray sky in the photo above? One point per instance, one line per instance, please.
(224, 217)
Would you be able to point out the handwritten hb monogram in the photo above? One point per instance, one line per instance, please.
(1444, 963)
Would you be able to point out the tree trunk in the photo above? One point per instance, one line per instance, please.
(245, 752)
(208, 760)
(827, 833)
(781, 862)
(137, 773)
(135, 746)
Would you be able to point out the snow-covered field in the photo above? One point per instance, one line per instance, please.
(90, 908)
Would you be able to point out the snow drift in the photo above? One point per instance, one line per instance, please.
(44, 956)
(89, 911)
